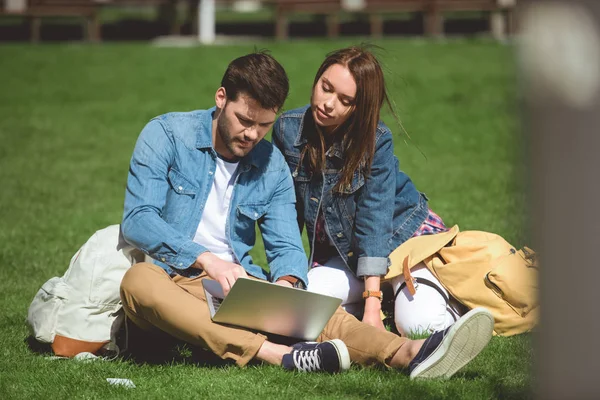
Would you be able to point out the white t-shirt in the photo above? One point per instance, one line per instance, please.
(211, 230)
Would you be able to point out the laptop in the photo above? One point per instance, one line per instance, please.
(270, 308)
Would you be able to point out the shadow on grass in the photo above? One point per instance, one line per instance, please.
(159, 348)
(505, 390)
(469, 375)
(42, 349)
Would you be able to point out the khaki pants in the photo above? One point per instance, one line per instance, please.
(177, 306)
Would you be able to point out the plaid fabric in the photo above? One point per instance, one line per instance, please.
(323, 248)
(432, 224)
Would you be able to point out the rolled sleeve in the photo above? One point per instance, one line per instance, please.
(369, 266)
(375, 211)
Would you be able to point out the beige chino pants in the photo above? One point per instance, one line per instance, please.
(152, 299)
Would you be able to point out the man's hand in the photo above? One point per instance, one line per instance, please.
(224, 272)
(285, 283)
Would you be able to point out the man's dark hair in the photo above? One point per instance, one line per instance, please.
(259, 76)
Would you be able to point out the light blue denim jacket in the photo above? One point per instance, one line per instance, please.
(368, 219)
(170, 176)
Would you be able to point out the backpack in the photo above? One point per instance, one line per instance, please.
(81, 311)
(479, 269)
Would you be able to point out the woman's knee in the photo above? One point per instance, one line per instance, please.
(425, 312)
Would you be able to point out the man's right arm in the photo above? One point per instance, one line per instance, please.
(145, 197)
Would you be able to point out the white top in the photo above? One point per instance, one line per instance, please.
(211, 230)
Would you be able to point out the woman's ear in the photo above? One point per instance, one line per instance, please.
(221, 98)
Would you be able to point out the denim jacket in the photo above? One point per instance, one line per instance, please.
(170, 176)
(365, 221)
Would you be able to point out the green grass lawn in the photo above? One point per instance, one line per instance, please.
(69, 118)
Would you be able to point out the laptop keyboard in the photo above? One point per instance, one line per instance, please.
(216, 303)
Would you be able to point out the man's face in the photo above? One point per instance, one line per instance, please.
(240, 126)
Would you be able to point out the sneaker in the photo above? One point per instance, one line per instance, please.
(445, 352)
(330, 356)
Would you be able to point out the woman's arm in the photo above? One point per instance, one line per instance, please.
(372, 314)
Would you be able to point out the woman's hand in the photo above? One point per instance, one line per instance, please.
(372, 315)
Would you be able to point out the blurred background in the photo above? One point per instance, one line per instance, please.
(96, 20)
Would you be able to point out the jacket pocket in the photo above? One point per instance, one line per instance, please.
(180, 202)
(514, 280)
(252, 211)
(180, 184)
(358, 180)
(42, 315)
(300, 174)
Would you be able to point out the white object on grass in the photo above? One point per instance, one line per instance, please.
(121, 382)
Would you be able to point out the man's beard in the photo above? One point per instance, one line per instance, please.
(223, 133)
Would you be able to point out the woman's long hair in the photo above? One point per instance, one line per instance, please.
(357, 133)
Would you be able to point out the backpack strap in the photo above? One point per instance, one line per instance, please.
(425, 282)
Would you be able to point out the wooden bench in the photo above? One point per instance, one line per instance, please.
(284, 8)
(495, 8)
(88, 10)
(376, 9)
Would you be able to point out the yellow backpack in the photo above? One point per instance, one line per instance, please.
(479, 269)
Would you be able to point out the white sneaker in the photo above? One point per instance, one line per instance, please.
(447, 351)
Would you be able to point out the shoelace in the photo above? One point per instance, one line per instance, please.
(307, 360)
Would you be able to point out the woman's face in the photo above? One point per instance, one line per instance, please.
(333, 97)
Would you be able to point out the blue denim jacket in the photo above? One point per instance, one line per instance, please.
(367, 220)
(170, 176)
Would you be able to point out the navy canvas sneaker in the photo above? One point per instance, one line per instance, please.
(447, 351)
(330, 356)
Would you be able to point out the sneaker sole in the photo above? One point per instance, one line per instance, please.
(343, 354)
(463, 343)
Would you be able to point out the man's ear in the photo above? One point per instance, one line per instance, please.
(221, 98)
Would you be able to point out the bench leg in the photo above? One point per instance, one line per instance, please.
(498, 25)
(333, 25)
(434, 22)
(376, 21)
(35, 25)
(511, 23)
(93, 28)
(281, 27)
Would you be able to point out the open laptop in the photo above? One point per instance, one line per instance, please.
(270, 308)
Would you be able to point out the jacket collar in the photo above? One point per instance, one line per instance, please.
(300, 139)
(204, 133)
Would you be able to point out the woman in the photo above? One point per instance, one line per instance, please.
(355, 202)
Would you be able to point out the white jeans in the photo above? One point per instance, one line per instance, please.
(425, 312)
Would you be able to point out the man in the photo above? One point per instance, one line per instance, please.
(198, 184)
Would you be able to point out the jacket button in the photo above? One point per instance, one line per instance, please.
(163, 259)
(350, 254)
(295, 174)
(328, 209)
(340, 234)
(180, 188)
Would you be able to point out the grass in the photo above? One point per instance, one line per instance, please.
(70, 115)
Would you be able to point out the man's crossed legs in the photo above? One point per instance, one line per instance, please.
(152, 299)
